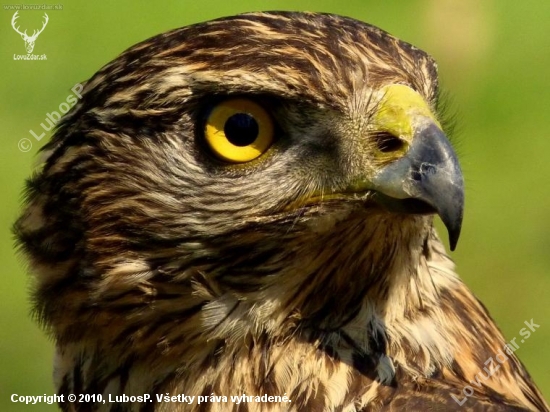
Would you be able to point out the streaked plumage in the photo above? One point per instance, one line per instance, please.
(160, 268)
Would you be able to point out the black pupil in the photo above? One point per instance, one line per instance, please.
(241, 129)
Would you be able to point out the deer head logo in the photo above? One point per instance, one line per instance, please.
(29, 40)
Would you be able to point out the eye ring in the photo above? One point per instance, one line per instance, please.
(239, 130)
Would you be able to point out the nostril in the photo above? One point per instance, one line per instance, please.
(387, 143)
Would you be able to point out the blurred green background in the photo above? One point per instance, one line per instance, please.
(494, 60)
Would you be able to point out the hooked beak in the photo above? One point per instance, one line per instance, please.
(426, 179)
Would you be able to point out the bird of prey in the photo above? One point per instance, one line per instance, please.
(244, 207)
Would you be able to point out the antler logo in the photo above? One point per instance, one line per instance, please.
(29, 40)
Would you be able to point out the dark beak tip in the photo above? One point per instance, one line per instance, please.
(454, 226)
(453, 240)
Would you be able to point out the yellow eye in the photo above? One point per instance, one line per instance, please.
(239, 130)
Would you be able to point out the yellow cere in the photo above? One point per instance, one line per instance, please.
(222, 146)
(400, 110)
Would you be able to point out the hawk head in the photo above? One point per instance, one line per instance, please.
(237, 199)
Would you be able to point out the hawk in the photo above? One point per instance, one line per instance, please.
(244, 207)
